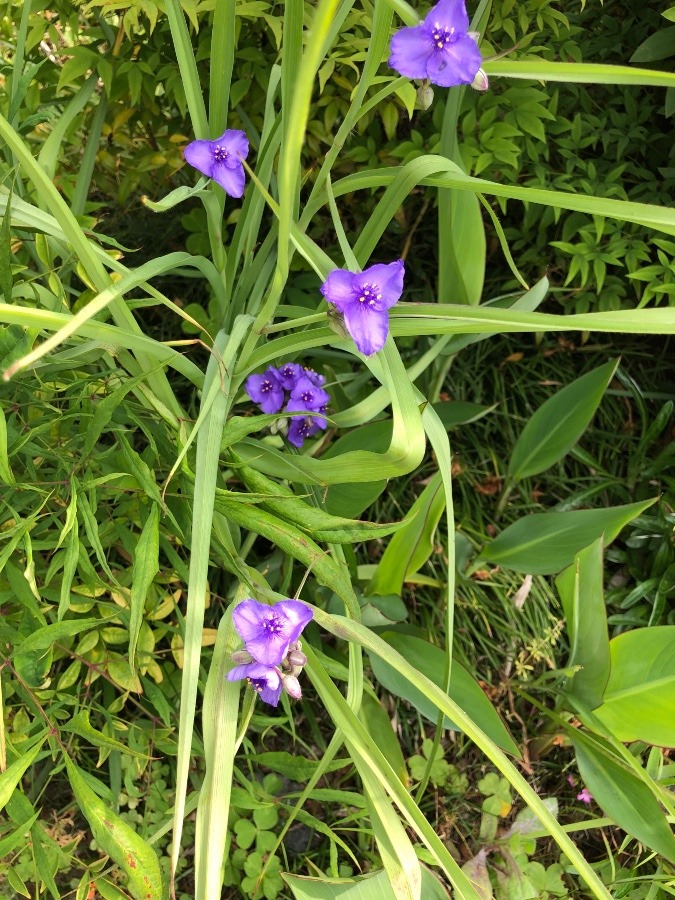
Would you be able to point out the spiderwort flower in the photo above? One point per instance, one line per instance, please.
(363, 298)
(265, 680)
(585, 796)
(266, 390)
(307, 397)
(221, 160)
(301, 429)
(269, 631)
(288, 375)
(440, 48)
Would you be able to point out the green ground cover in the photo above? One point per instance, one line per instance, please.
(479, 518)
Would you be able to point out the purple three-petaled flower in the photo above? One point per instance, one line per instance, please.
(307, 397)
(221, 160)
(302, 428)
(265, 680)
(267, 631)
(364, 298)
(266, 390)
(288, 375)
(439, 48)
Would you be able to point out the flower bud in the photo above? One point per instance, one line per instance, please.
(297, 658)
(292, 686)
(425, 96)
(480, 82)
(336, 323)
(241, 657)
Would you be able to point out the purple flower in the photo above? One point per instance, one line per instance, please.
(439, 48)
(585, 796)
(316, 379)
(266, 390)
(363, 298)
(221, 160)
(307, 397)
(302, 428)
(267, 631)
(265, 680)
(288, 375)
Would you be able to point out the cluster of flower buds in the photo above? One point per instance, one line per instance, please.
(292, 389)
(273, 657)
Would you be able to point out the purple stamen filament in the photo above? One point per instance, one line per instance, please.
(370, 292)
(220, 153)
(443, 36)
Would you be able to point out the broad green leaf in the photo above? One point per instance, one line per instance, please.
(464, 691)
(544, 543)
(413, 544)
(115, 837)
(639, 701)
(146, 566)
(13, 774)
(581, 590)
(623, 797)
(461, 246)
(658, 46)
(559, 423)
(351, 499)
(49, 634)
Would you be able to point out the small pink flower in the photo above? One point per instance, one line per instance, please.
(585, 796)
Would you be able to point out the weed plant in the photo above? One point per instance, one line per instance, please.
(473, 530)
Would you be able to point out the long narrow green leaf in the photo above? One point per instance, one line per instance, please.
(351, 631)
(582, 595)
(223, 46)
(106, 335)
(439, 172)
(146, 566)
(577, 73)
(188, 68)
(369, 757)
(219, 725)
(49, 154)
(206, 475)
